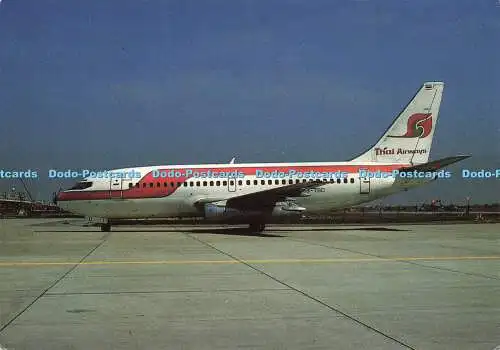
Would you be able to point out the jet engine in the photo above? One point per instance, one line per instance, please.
(288, 208)
(213, 211)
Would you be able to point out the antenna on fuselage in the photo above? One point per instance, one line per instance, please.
(232, 160)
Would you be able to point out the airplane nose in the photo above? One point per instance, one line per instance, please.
(55, 196)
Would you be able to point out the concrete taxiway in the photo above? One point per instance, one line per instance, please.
(64, 286)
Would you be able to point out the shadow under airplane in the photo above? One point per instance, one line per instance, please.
(382, 229)
(241, 231)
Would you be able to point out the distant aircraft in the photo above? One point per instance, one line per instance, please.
(253, 193)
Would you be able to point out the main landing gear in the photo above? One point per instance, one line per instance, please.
(106, 227)
(256, 227)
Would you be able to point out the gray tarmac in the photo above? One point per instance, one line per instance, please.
(64, 286)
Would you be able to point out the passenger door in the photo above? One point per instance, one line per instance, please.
(118, 185)
(364, 185)
(115, 188)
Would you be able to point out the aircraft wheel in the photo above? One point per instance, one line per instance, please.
(106, 227)
(257, 227)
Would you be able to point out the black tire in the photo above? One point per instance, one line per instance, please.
(106, 227)
(256, 227)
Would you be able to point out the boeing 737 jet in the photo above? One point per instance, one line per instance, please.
(253, 193)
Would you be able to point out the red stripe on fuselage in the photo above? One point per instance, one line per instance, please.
(165, 191)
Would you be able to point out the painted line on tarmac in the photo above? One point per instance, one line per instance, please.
(250, 261)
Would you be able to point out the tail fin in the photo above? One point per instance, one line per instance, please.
(409, 138)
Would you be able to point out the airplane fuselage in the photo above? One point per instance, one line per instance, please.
(173, 191)
(254, 192)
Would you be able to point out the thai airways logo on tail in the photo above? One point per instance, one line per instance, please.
(419, 125)
(408, 139)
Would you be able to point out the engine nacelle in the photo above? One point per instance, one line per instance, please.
(213, 211)
(287, 209)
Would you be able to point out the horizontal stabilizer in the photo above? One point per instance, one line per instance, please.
(436, 164)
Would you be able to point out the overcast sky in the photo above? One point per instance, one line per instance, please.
(108, 84)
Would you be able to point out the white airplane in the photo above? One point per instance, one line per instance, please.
(253, 193)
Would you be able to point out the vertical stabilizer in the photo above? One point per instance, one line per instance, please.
(409, 138)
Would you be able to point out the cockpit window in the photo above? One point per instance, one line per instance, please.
(81, 185)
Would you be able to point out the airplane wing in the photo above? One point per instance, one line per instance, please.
(436, 164)
(269, 198)
(265, 199)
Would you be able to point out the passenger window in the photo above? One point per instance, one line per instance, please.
(172, 184)
(191, 184)
(297, 181)
(179, 184)
(218, 183)
(144, 184)
(262, 182)
(255, 182)
(130, 185)
(241, 182)
(338, 181)
(151, 184)
(197, 183)
(276, 182)
(137, 185)
(345, 180)
(290, 181)
(304, 180)
(231, 182)
(352, 180)
(211, 183)
(269, 182)
(283, 182)
(224, 183)
(204, 183)
(185, 184)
